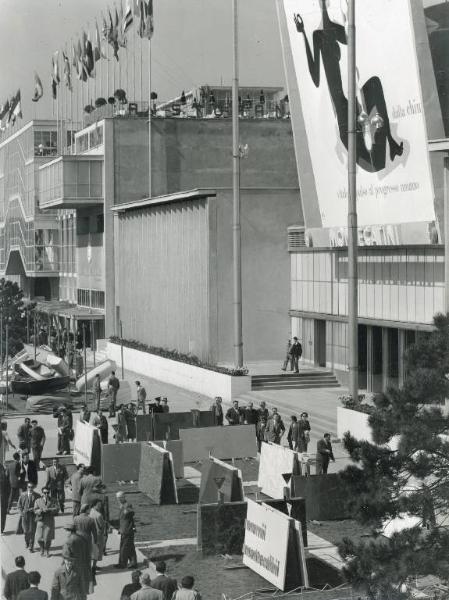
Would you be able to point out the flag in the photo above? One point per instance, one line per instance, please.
(98, 53)
(15, 108)
(113, 36)
(136, 8)
(146, 25)
(54, 87)
(120, 28)
(75, 59)
(4, 112)
(38, 89)
(67, 71)
(55, 63)
(105, 28)
(82, 73)
(88, 55)
(128, 18)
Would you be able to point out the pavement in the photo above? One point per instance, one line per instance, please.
(321, 404)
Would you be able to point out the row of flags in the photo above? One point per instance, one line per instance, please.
(85, 53)
(10, 111)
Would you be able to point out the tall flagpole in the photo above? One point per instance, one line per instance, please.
(150, 162)
(237, 255)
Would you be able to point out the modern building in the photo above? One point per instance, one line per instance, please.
(402, 105)
(160, 267)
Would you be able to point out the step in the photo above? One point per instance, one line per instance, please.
(296, 386)
(294, 375)
(292, 380)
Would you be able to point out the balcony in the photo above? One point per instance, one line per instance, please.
(71, 182)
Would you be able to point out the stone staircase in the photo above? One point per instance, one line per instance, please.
(305, 379)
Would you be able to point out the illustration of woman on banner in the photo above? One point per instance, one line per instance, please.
(372, 114)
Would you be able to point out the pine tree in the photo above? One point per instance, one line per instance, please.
(14, 315)
(405, 471)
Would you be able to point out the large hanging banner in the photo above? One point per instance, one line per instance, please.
(394, 181)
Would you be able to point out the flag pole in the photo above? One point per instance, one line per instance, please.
(150, 162)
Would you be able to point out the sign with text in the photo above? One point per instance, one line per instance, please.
(266, 542)
(394, 180)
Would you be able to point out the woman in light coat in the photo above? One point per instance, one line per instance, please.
(45, 510)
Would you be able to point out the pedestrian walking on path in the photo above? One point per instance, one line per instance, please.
(146, 592)
(27, 523)
(288, 358)
(296, 353)
(67, 583)
(56, 477)
(186, 591)
(96, 387)
(5, 489)
(141, 397)
(16, 581)
(167, 585)
(127, 529)
(33, 592)
(45, 510)
(5, 441)
(129, 589)
(14, 480)
(24, 435)
(217, 411)
(324, 454)
(37, 441)
(113, 388)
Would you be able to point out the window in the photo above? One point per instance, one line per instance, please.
(82, 225)
(90, 298)
(100, 224)
(45, 143)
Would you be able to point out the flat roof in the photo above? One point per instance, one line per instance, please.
(166, 199)
(438, 145)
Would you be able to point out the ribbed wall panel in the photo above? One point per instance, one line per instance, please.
(163, 276)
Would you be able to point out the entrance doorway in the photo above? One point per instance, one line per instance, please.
(320, 343)
(363, 356)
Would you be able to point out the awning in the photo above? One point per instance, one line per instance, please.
(61, 308)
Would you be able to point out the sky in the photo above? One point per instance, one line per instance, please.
(192, 44)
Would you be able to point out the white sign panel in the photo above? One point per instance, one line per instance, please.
(275, 461)
(266, 542)
(83, 443)
(394, 181)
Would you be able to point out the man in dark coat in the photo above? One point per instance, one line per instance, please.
(158, 408)
(96, 387)
(26, 506)
(37, 436)
(103, 427)
(127, 529)
(28, 471)
(23, 434)
(296, 353)
(324, 454)
(16, 581)
(167, 585)
(262, 411)
(234, 414)
(293, 433)
(250, 415)
(5, 489)
(75, 549)
(129, 589)
(67, 583)
(91, 487)
(56, 478)
(217, 411)
(33, 592)
(14, 479)
(113, 388)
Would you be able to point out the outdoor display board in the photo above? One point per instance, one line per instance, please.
(238, 441)
(273, 546)
(277, 463)
(87, 446)
(394, 181)
(220, 479)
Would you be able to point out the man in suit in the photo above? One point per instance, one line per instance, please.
(16, 581)
(75, 482)
(97, 391)
(127, 529)
(158, 408)
(14, 480)
(293, 433)
(28, 471)
(234, 414)
(295, 353)
(217, 411)
(141, 397)
(26, 506)
(274, 430)
(33, 592)
(56, 478)
(5, 489)
(324, 454)
(23, 434)
(67, 583)
(75, 549)
(37, 441)
(167, 585)
(250, 415)
(113, 388)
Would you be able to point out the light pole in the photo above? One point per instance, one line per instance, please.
(236, 230)
(85, 365)
(6, 349)
(353, 362)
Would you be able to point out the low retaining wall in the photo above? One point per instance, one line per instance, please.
(357, 424)
(189, 377)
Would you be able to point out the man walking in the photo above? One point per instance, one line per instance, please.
(217, 411)
(14, 480)
(96, 387)
(167, 585)
(5, 489)
(75, 550)
(233, 414)
(324, 454)
(274, 430)
(250, 415)
(75, 482)
(67, 583)
(127, 529)
(38, 438)
(45, 510)
(100, 421)
(56, 478)
(16, 581)
(28, 471)
(293, 433)
(33, 592)
(296, 353)
(288, 358)
(23, 435)
(113, 388)
(26, 506)
(141, 397)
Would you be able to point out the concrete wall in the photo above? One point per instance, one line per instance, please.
(90, 275)
(265, 216)
(188, 154)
